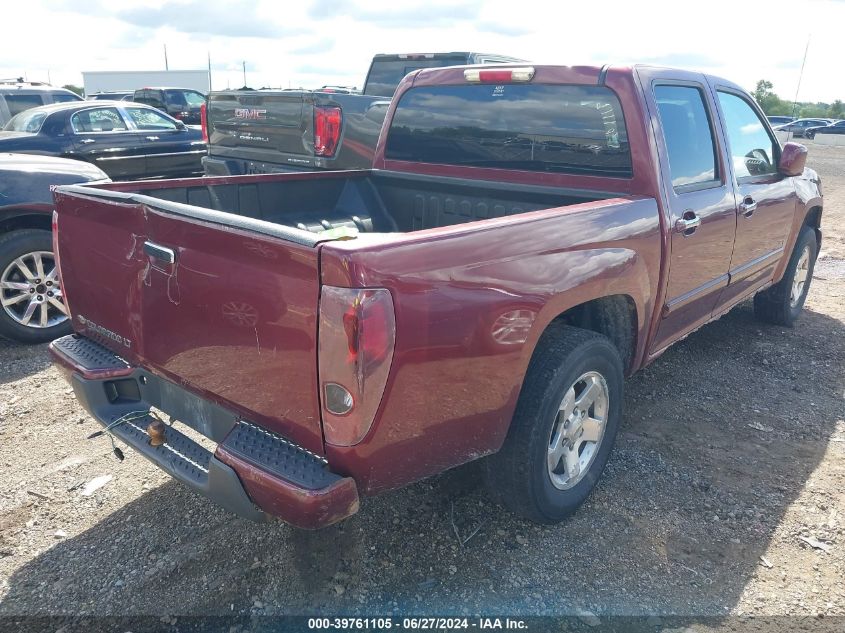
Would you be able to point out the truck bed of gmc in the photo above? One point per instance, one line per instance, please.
(526, 237)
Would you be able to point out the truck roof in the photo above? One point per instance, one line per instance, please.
(557, 73)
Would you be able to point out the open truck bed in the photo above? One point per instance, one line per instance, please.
(365, 201)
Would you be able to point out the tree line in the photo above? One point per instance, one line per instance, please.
(773, 105)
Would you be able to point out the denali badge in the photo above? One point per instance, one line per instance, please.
(250, 113)
(105, 332)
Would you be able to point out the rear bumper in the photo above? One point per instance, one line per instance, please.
(251, 472)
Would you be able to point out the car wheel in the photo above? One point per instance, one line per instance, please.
(809, 134)
(32, 309)
(563, 429)
(782, 303)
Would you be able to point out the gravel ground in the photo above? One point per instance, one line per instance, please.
(724, 495)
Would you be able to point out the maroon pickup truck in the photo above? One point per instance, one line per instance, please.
(526, 238)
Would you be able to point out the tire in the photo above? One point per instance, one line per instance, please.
(18, 292)
(782, 303)
(810, 135)
(521, 475)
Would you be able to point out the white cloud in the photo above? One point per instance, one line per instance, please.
(331, 42)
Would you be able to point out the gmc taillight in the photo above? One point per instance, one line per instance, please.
(56, 260)
(356, 341)
(327, 124)
(204, 122)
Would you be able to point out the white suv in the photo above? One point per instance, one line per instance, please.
(19, 96)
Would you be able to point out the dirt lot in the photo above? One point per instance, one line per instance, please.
(732, 451)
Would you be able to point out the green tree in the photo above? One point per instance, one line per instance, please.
(769, 101)
(837, 110)
(763, 91)
(72, 88)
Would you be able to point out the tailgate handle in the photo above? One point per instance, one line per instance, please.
(158, 251)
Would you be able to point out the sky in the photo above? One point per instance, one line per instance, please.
(310, 43)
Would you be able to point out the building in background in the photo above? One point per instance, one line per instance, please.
(129, 80)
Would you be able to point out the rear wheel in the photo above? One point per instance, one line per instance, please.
(32, 308)
(563, 429)
(809, 134)
(782, 303)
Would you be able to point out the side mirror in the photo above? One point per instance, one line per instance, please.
(182, 127)
(792, 159)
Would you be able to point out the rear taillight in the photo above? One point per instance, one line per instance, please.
(56, 260)
(357, 337)
(327, 123)
(204, 122)
(499, 75)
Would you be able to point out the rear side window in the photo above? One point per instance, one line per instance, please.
(752, 149)
(62, 97)
(551, 128)
(97, 120)
(20, 102)
(688, 135)
(175, 97)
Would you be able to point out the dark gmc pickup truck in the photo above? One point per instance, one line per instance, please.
(267, 131)
(527, 237)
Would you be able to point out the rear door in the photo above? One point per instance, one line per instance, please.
(170, 150)
(701, 202)
(102, 136)
(766, 200)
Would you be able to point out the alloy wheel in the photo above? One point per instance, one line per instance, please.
(578, 430)
(31, 293)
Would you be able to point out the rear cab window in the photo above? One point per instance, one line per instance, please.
(534, 127)
(385, 74)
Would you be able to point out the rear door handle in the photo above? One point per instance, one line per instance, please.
(748, 206)
(85, 141)
(157, 251)
(688, 223)
(152, 138)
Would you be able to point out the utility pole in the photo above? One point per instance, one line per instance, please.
(166, 66)
(209, 71)
(244, 65)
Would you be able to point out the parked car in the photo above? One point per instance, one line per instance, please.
(527, 236)
(780, 120)
(124, 139)
(799, 126)
(265, 131)
(111, 96)
(833, 128)
(19, 96)
(180, 103)
(32, 308)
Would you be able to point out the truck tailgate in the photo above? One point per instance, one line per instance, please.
(232, 317)
(263, 123)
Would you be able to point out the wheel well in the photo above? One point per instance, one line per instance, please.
(813, 219)
(615, 317)
(28, 221)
